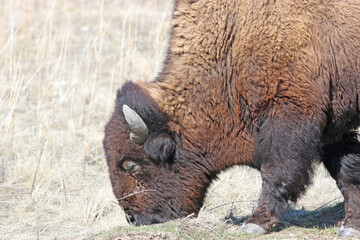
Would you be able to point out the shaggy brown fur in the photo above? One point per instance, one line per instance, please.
(271, 84)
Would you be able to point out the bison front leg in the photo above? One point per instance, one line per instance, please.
(342, 160)
(288, 143)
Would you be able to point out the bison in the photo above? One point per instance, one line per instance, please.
(271, 84)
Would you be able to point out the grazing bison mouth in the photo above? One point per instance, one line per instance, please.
(143, 219)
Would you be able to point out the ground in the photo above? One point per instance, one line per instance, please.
(318, 224)
(61, 63)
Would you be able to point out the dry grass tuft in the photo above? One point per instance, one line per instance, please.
(60, 65)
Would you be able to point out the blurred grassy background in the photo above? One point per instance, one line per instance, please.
(61, 63)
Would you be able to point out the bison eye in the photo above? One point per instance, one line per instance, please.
(130, 166)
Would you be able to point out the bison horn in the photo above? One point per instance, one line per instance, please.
(139, 130)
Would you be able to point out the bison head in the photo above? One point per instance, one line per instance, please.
(156, 175)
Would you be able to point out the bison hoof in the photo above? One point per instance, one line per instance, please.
(348, 232)
(253, 229)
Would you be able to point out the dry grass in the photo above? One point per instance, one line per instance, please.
(60, 65)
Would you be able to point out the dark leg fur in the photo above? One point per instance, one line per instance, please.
(285, 152)
(342, 160)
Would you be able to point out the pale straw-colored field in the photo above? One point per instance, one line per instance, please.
(61, 63)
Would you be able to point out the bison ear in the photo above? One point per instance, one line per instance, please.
(160, 148)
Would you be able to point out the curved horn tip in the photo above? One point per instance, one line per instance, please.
(134, 120)
(139, 130)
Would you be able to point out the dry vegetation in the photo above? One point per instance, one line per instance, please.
(61, 62)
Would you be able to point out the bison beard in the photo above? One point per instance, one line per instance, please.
(267, 84)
